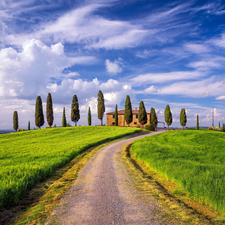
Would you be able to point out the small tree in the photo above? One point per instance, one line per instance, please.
(64, 118)
(168, 116)
(116, 116)
(49, 110)
(89, 116)
(142, 115)
(28, 125)
(15, 121)
(75, 112)
(183, 118)
(153, 116)
(197, 122)
(219, 124)
(101, 106)
(128, 111)
(39, 116)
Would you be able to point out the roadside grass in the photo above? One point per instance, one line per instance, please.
(193, 160)
(28, 158)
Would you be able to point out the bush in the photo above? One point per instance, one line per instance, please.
(21, 129)
(150, 127)
(47, 127)
(210, 128)
(218, 129)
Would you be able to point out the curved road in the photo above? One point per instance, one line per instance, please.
(104, 193)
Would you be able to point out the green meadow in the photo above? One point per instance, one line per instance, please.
(27, 158)
(194, 159)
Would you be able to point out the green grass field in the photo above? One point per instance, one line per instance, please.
(195, 160)
(29, 157)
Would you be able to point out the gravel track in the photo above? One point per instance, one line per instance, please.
(104, 193)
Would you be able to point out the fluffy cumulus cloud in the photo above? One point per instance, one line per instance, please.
(113, 67)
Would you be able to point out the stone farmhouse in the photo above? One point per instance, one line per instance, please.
(121, 119)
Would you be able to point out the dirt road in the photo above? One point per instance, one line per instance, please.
(104, 193)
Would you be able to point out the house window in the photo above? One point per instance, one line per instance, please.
(137, 116)
(113, 123)
(135, 123)
(113, 116)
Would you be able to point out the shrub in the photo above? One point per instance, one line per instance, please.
(21, 129)
(210, 128)
(150, 127)
(47, 127)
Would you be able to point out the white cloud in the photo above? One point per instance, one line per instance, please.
(204, 65)
(222, 97)
(196, 48)
(113, 67)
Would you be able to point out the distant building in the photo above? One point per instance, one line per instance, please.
(121, 119)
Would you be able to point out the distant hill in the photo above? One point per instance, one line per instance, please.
(6, 131)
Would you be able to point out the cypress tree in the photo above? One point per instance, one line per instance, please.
(64, 118)
(29, 125)
(75, 112)
(101, 106)
(219, 124)
(142, 115)
(168, 116)
(49, 110)
(197, 122)
(128, 111)
(116, 116)
(39, 116)
(183, 118)
(89, 116)
(15, 121)
(153, 116)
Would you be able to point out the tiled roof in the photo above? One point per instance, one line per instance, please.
(122, 112)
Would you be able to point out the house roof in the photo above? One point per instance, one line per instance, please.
(122, 112)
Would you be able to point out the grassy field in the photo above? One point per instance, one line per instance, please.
(195, 160)
(29, 157)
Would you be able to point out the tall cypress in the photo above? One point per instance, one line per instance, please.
(128, 111)
(116, 116)
(219, 124)
(75, 112)
(101, 106)
(153, 116)
(142, 115)
(64, 118)
(168, 116)
(89, 116)
(197, 122)
(29, 125)
(183, 118)
(49, 110)
(39, 116)
(15, 121)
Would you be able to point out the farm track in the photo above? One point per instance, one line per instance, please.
(105, 194)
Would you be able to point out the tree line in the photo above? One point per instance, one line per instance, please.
(75, 113)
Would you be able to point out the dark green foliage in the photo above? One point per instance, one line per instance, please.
(28, 125)
(75, 112)
(64, 118)
(223, 127)
(116, 116)
(219, 124)
(150, 127)
(197, 122)
(15, 121)
(153, 117)
(49, 110)
(168, 116)
(128, 111)
(183, 118)
(101, 106)
(39, 116)
(142, 115)
(89, 116)
(55, 125)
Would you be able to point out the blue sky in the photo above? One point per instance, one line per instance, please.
(159, 52)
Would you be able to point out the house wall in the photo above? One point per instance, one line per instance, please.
(122, 122)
